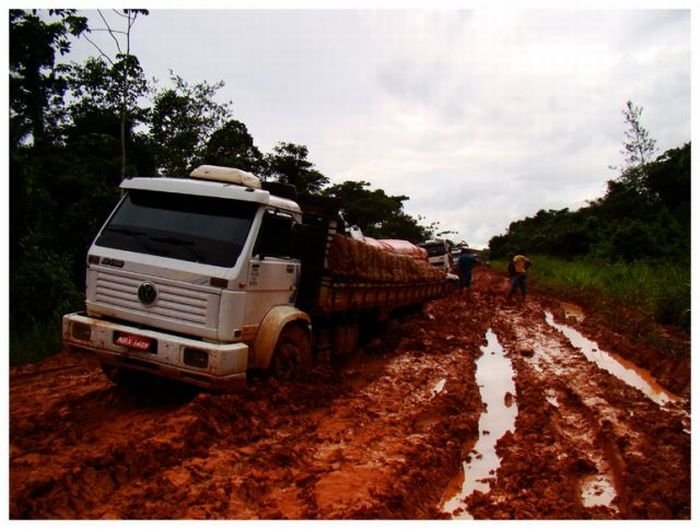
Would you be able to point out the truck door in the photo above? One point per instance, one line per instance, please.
(273, 274)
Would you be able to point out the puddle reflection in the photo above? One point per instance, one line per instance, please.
(598, 491)
(624, 370)
(494, 376)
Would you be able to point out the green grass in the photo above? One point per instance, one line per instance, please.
(660, 293)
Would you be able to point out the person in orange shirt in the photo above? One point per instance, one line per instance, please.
(518, 281)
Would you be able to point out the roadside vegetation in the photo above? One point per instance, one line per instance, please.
(626, 251)
(633, 297)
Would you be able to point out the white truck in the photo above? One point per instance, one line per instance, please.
(202, 279)
(439, 254)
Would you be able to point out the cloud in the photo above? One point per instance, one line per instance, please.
(527, 107)
(480, 117)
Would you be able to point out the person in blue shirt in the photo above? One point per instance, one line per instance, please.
(465, 264)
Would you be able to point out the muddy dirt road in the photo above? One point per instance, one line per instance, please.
(474, 409)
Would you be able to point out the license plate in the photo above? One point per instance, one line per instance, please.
(132, 341)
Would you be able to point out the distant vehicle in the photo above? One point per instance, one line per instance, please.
(439, 254)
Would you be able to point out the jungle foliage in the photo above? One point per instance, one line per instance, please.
(631, 247)
(644, 215)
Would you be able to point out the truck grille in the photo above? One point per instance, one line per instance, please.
(174, 303)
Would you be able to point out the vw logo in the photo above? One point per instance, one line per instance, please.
(147, 293)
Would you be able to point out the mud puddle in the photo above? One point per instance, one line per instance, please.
(598, 490)
(494, 376)
(617, 366)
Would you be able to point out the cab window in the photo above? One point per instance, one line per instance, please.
(275, 236)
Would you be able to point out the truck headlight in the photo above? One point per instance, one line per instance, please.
(196, 357)
(81, 331)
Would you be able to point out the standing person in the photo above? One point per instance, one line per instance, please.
(464, 268)
(519, 266)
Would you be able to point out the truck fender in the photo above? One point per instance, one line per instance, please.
(269, 331)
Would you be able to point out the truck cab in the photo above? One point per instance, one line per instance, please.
(191, 279)
(439, 254)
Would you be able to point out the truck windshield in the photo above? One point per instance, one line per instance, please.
(435, 249)
(205, 230)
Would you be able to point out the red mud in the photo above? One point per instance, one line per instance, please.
(381, 435)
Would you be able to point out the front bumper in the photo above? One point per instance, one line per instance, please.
(225, 368)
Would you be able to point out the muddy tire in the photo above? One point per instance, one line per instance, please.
(292, 356)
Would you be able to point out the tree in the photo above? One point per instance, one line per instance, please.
(668, 177)
(288, 164)
(182, 120)
(232, 146)
(364, 208)
(37, 84)
(638, 149)
(125, 70)
(101, 110)
(376, 213)
(41, 280)
(37, 88)
(623, 225)
(402, 226)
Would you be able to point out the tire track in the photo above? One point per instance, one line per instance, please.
(600, 419)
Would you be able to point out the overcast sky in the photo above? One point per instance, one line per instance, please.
(481, 117)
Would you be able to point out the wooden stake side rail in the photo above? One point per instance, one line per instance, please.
(335, 296)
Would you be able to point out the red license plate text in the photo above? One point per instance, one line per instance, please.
(133, 342)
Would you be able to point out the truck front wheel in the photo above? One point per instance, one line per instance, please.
(292, 355)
